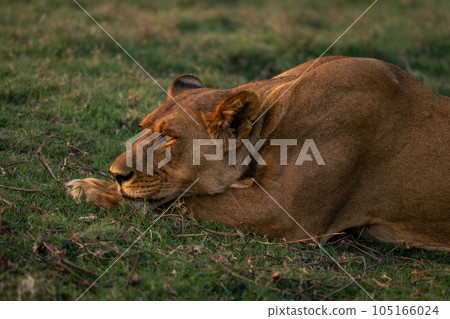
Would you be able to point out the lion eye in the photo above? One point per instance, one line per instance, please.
(169, 142)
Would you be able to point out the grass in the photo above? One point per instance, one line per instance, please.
(61, 75)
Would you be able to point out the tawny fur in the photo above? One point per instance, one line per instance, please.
(383, 135)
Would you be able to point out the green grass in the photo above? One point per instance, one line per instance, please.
(61, 75)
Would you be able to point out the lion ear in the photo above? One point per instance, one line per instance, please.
(233, 117)
(183, 83)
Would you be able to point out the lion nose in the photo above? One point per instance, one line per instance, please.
(120, 171)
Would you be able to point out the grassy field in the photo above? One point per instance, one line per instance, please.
(62, 76)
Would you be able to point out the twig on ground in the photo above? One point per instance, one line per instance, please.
(87, 271)
(340, 239)
(56, 254)
(20, 189)
(61, 230)
(8, 203)
(300, 240)
(131, 277)
(16, 163)
(390, 251)
(433, 278)
(188, 235)
(368, 248)
(423, 272)
(303, 291)
(215, 232)
(43, 161)
(240, 251)
(47, 167)
(170, 216)
(416, 261)
(83, 281)
(367, 253)
(338, 290)
(93, 170)
(231, 272)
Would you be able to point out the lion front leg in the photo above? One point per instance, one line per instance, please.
(246, 208)
(99, 192)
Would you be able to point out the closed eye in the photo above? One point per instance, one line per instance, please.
(163, 141)
(168, 143)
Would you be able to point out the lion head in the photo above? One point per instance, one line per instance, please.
(191, 113)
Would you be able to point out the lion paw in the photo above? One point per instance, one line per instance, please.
(99, 192)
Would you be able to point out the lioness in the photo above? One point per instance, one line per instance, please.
(382, 135)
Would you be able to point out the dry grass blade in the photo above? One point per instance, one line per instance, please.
(301, 240)
(7, 202)
(173, 251)
(215, 232)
